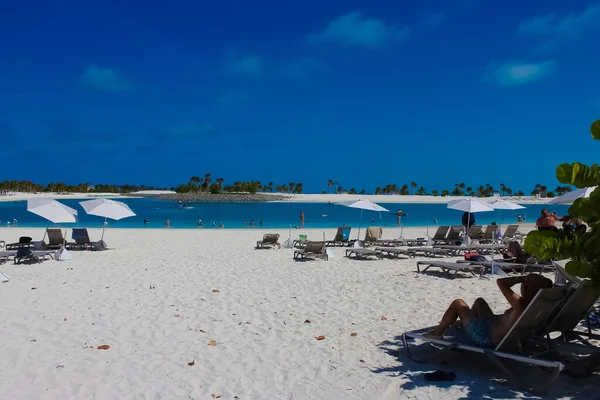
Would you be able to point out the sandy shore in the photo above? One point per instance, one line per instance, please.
(300, 198)
(161, 296)
(334, 198)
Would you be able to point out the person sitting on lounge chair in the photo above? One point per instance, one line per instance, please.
(484, 327)
(547, 222)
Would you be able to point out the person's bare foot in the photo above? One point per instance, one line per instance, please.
(432, 335)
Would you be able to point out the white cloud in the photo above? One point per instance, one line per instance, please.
(244, 64)
(353, 29)
(552, 28)
(105, 79)
(518, 72)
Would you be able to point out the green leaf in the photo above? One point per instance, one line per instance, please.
(563, 173)
(595, 130)
(579, 268)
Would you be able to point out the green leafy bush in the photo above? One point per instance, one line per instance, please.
(582, 248)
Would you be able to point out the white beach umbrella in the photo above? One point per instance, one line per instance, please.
(52, 210)
(108, 209)
(504, 205)
(470, 206)
(572, 196)
(362, 205)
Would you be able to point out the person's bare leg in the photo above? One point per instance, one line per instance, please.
(458, 309)
(481, 309)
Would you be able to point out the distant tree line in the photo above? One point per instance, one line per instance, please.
(206, 184)
(460, 189)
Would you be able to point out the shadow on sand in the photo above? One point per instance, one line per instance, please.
(476, 377)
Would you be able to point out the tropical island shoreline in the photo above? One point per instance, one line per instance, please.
(267, 197)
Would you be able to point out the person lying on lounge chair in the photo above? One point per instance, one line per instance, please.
(484, 327)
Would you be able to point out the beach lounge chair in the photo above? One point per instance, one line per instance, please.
(579, 302)
(269, 240)
(342, 237)
(24, 241)
(499, 263)
(82, 241)
(373, 234)
(362, 253)
(5, 255)
(440, 234)
(481, 248)
(489, 235)
(373, 238)
(311, 249)
(512, 233)
(516, 344)
(475, 232)
(454, 236)
(26, 254)
(55, 239)
(300, 242)
(448, 267)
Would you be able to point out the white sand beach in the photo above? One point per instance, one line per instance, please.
(300, 198)
(160, 297)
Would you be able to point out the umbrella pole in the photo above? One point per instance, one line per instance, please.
(46, 231)
(103, 228)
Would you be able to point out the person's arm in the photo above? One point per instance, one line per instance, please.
(505, 285)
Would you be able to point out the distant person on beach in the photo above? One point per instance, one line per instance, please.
(251, 223)
(398, 217)
(497, 231)
(485, 328)
(301, 219)
(519, 218)
(244, 222)
(221, 225)
(547, 221)
(261, 223)
(168, 223)
(146, 221)
(372, 220)
(200, 223)
(214, 224)
(468, 220)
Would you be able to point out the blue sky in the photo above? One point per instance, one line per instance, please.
(153, 92)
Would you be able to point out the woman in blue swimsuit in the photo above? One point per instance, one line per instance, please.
(485, 328)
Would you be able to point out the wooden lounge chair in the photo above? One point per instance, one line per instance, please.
(580, 301)
(425, 252)
(55, 239)
(448, 267)
(512, 233)
(269, 240)
(24, 241)
(454, 236)
(311, 249)
(362, 253)
(342, 237)
(82, 241)
(395, 252)
(440, 234)
(475, 232)
(300, 242)
(482, 248)
(515, 346)
(489, 235)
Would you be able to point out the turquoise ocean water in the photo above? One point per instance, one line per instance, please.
(274, 215)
